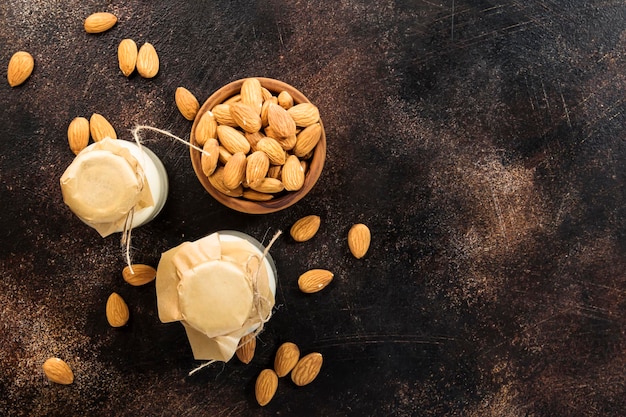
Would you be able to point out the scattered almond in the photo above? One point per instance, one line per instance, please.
(21, 66)
(292, 174)
(314, 280)
(187, 103)
(359, 239)
(147, 61)
(116, 310)
(78, 134)
(127, 56)
(100, 128)
(307, 369)
(139, 275)
(58, 371)
(286, 358)
(266, 386)
(305, 228)
(100, 22)
(245, 350)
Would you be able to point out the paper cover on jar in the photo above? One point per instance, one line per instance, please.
(104, 184)
(219, 290)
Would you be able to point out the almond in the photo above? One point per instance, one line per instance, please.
(307, 139)
(234, 99)
(307, 369)
(139, 275)
(293, 174)
(253, 139)
(224, 155)
(100, 22)
(217, 181)
(288, 143)
(256, 195)
(274, 151)
(305, 228)
(314, 280)
(286, 358)
(245, 350)
(222, 115)
(206, 128)
(280, 121)
(275, 171)
(304, 114)
(147, 61)
(116, 310)
(21, 66)
(359, 239)
(252, 94)
(257, 166)
(78, 134)
(265, 107)
(267, 185)
(235, 171)
(127, 56)
(210, 156)
(267, 94)
(232, 139)
(246, 117)
(187, 103)
(58, 371)
(265, 386)
(100, 128)
(285, 100)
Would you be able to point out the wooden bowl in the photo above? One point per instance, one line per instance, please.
(286, 198)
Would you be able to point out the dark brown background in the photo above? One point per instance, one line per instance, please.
(481, 141)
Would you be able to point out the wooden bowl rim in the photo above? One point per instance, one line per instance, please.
(258, 207)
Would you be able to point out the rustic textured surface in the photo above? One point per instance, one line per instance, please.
(482, 142)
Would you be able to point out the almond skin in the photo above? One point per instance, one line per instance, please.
(117, 311)
(187, 103)
(280, 121)
(140, 275)
(359, 238)
(127, 56)
(235, 171)
(232, 139)
(286, 358)
(100, 22)
(246, 117)
(292, 174)
(252, 94)
(78, 134)
(307, 139)
(210, 156)
(206, 128)
(147, 61)
(257, 166)
(314, 280)
(307, 369)
(265, 386)
(58, 371)
(304, 114)
(305, 228)
(274, 151)
(100, 128)
(21, 66)
(247, 345)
